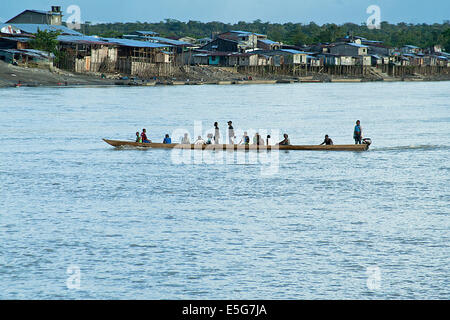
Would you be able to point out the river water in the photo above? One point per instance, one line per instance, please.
(80, 219)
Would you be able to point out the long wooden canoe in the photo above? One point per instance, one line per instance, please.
(337, 147)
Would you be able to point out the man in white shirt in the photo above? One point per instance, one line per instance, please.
(200, 140)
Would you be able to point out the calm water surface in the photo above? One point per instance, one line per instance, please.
(140, 225)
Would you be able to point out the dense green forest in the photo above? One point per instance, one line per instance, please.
(421, 35)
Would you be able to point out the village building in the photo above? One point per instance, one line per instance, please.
(187, 40)
(229, 59)
(249, 39)
(349, 49)
(285, 56)
(314, 61)
(25, 57)
(52, 17)
(266, 44)
(414, 60)
(203, 41)
(223, 45)
(14, 42)
(330, 59)
(410, 49)
(376, 60)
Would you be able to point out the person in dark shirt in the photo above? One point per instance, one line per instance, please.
(357, 132)
(167, 140)
(268, 140)
(327, 141)
(144, 136)
(258, 140)
(245, 139)
(285, 141)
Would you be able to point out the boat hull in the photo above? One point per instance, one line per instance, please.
(338, 147)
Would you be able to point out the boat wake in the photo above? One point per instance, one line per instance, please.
(425, 147)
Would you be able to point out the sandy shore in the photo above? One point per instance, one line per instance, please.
(11, 75)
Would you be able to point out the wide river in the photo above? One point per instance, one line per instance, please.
(80, 219)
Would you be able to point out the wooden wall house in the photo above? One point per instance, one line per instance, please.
(349, 49)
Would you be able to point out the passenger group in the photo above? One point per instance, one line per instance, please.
(245, 140)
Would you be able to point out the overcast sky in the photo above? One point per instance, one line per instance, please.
(319, 11)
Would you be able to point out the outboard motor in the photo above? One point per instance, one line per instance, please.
(367, 141)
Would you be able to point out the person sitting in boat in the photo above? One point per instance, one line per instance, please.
(138, 137)
(167, 139)
(269, 141)
(209, 139)
(285, 141)
(245, 139)
(357, 132)
(200, 140)
(185, 139)
(327, 141)
(144, 136)
(258, 140)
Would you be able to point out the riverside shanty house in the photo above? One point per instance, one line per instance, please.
(285, 56)
(351, 53)
(92, 54)
(225, 45)
(349, 49)
(177, 51)
(239, 41)
(228, 59)
(244, 38)
(267, 44)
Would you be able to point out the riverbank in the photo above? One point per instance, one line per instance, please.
(11, 76)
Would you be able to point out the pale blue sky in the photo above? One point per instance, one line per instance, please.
(319, 11)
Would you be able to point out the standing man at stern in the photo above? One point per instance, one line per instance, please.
(357, 132)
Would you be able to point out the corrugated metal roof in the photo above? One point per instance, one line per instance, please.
(356, 45)
(33, 28)
(135, 43)
(267, 41)
(241, 32)
(81, 39)
(18, 39)
(28, 52)
(294, 51)
(146, 32)
(170, 41)
(43, 12)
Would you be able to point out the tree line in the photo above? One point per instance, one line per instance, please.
(395, 35)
